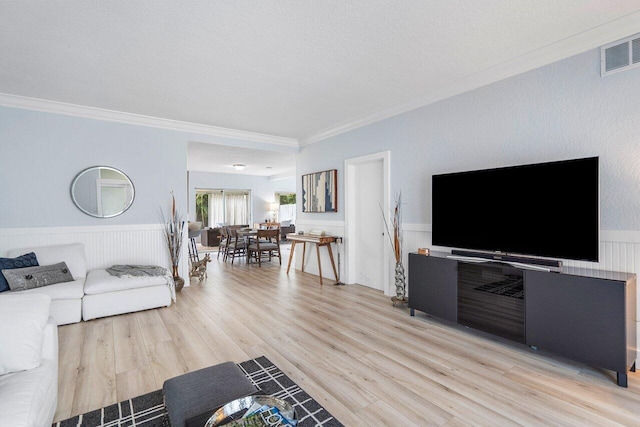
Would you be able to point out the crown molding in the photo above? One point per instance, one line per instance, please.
(47, 106)
(284, 175)
(570, 46)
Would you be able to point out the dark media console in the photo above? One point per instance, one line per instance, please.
(585, 315)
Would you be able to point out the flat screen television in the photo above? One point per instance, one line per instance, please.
(547, 209)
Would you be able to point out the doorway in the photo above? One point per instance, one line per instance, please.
(367, 248)
(286, 214)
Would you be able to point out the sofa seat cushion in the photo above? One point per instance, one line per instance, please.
(59, 291)
(22, 322)
(72, 254)
(29, 397)
(100, 281)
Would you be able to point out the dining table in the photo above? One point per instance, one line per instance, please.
(246, 234)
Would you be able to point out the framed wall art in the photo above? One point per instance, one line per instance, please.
(320, 191)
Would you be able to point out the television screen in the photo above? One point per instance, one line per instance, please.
(546, 209)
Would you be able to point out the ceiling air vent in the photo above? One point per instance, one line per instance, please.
(619, 56)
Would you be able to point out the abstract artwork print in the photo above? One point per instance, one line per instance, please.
(320, 191)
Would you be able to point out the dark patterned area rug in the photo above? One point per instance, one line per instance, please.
(148, 410)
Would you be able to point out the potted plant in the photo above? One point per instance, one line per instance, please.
(395, 238)
(174, 232)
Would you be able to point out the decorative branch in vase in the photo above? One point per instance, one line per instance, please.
(395, 238)
(174, 232)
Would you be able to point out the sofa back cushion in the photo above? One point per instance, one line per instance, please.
(23, 318)
(71, 254)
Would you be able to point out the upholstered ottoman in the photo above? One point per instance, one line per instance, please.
(200, 393)
(107, 295)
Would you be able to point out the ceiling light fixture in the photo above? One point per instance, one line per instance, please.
(239, 166)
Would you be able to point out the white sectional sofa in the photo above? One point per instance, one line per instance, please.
(95, 293)
(28, 361)
(29, 334)
(66, 298)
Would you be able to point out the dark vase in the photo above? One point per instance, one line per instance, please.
(177, 280)
(400, 281)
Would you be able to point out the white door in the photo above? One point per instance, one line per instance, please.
(369, 229)
(114, 196)
(367, 250)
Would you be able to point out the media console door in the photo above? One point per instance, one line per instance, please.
(433, 286)
(588, 319)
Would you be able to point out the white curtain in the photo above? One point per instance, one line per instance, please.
(237, 209)
(287, 213)
(216, 209)
(228, 207)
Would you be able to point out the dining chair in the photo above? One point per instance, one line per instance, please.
(268, 226)
(236, 245)
(267, 242)
(224, 240)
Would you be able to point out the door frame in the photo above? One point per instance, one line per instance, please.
(350, 171)
(111, 183)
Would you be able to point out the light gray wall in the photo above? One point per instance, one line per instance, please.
(564, 110)
(262, 189)
(41, 153)
(561, 111)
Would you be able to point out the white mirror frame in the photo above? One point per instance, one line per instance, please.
(100, 183)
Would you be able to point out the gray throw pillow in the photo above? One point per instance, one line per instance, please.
(20, 279)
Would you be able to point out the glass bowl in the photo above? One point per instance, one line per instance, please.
(234, 410)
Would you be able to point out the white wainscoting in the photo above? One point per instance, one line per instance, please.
(619, 250)
(331, 228)
(104, 245)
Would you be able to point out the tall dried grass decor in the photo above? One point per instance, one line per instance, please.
(395, 238)
(173, 233)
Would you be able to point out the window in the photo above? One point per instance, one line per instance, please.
(230, 207)
(287, 210)
(202, 208)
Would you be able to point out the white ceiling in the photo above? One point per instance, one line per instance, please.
(295, 70)
(206, 157)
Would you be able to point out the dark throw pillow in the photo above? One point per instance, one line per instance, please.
(21, 279)
(26, 260)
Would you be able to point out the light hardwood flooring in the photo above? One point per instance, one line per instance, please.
(367, 362)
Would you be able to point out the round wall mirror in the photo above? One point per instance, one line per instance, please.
(102, 191)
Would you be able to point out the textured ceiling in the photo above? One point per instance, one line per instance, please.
(206, 157)
(286, 68)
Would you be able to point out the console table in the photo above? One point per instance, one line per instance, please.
(319, 241)
(585, 315)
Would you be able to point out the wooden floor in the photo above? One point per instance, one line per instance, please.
(367, 362)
